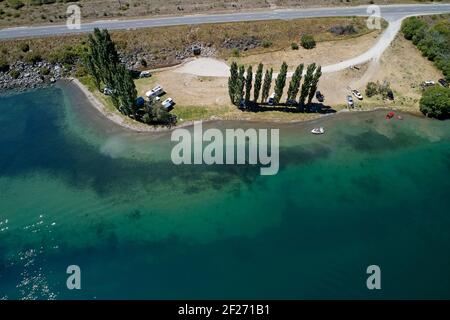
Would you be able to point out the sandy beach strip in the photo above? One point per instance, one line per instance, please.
(135, 126)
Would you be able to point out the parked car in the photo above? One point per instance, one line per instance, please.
(350, 101)
(168, 103)
(271, 99)
(320, 97)
(291, 102)
(155, 92)
(242, 103)
(390, 95)
(443, 83)
(145, 74)
(357, 94)
(107, 91)
(428, 83)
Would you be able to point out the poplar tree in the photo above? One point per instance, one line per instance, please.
(240, 83)
(104, 66)
(307, 83)
(280, 82)
(258, 82)
(314, 83)
(294, 85)
(267, 84)
(248, 84)
(232, 80)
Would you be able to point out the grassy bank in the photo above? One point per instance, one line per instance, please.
(161, 46)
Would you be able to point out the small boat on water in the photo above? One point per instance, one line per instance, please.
(318, 130)
(390, 115)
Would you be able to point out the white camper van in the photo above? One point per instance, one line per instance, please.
(155, 92)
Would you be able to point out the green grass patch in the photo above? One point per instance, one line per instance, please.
(190, 113)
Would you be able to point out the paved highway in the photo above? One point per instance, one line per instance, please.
(390, 13)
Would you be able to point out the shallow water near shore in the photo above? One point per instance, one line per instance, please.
(79, 190)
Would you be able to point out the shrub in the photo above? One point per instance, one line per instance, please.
(371, 89)
(14, 74)
(308, 41)
(44, 71)
(384, 89)
(294, 46)
(266, 44)
(15, 4)
(341, 30)
(25, 47)
(67, 55)
(435, 102)
(33, 58)
(4, 66)
(81, 71)
(235, 52)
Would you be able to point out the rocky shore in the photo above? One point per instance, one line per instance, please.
(142, 59)
(23, 75)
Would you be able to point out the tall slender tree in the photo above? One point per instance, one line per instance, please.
(294, 85)
(307, 83)
(267, 84)
(314, 83)
(93, 71)
(232, 80)
(104, 65)
(258, 82)
(248, 84)
(240, 83)
(280, 82)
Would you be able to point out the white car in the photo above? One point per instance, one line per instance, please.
(145, 74)
(357, 94)
(107, 91)
(168, 103)
(155, 92)
(350, 101)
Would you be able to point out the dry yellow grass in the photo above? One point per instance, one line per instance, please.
(402, 65)
(164, 42)
(341, 50)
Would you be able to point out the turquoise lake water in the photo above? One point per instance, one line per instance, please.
(78, 190)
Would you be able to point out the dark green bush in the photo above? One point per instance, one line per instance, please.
(308, 41)
(14, 74)
(4, 66)
(435, 102)
(25, 47)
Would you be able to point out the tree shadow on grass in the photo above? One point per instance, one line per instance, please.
(288, 108)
